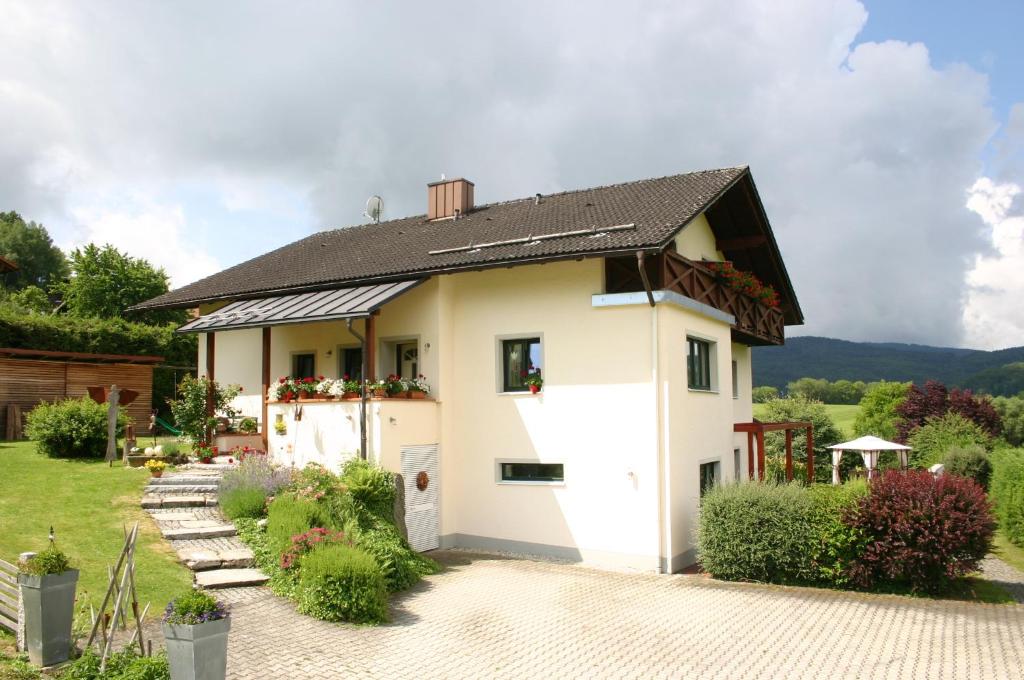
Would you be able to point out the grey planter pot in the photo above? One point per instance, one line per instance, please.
(49, 612)
(198, 652)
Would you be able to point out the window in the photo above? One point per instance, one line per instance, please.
(735, 381)
(698, 364)
(519, 357)
(709, 475)
(737, 466)
(304, 365)
(541, 473)
(351, 363)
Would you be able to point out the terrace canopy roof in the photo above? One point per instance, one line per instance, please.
(323, 305)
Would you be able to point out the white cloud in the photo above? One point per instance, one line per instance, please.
(147, 230)
(993, 316)
(861, 152)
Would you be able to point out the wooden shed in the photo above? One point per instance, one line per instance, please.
(30, 376)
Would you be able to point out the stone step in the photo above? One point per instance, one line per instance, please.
(198, 559)
(218, 531)
(177, 501)
(168, 489)
(184, 480)
(230, 578)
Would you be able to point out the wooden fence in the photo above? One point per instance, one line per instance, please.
(9, 596)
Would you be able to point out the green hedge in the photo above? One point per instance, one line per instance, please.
(972, 462)
(73, 428)
(778, 533)
(341, 583)
(1007, 492)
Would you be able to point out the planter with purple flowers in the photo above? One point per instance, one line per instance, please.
(196, 631)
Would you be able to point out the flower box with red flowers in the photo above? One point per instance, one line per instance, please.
(744, 282)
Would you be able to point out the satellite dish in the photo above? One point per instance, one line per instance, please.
(374, 208)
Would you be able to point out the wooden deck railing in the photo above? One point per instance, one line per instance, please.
(754, 319)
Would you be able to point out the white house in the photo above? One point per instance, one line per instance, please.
(611, 292)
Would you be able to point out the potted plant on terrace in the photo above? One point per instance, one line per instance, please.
(324, 388)
(418, 388)
(378, 388)
(533, 380)
(205, 453)
(47, 584)
(284, 390)
(247, 426)
(156, 467)
(396, 386)
(196, 631)
(306, 387)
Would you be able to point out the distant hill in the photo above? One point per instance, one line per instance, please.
(997, 372)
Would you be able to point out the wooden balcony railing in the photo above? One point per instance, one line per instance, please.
(755, 321)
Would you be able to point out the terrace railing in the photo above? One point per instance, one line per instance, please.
(755, 321)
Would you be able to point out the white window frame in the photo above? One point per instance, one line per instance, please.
(498, 462)
(712, 362)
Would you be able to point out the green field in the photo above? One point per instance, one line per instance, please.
(88, 504)
(842, 414)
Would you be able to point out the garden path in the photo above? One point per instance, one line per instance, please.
(1004, 575)
(183, 503)
(497, 617)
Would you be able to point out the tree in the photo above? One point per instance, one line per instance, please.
(105, 282)
(933, 440)
(28, 300)
(190, 408)
(798, 408)
(877, 414)
(935, 400)
(1011, 411)
(28, 245)
(764, 393)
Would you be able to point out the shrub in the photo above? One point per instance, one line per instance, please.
(920, 532)
(72, 428)
(935, 401)
(877, 413)
(836, 544)
(194, 607)
(244, 502)
(247, 425)
(764, 393)
(1011, 411)
(289, 516)
(342, 583)
(969, 461)
(756, 532)
(931, 441)
(303, 544)
(825, 434)
(189, 408)
(124, 665)
(49, 561)
(401, 566)
(255, 471)
(1007, 492)
(371, 486)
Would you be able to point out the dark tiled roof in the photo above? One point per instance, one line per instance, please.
(401, 248)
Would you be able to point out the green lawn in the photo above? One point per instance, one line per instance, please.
(1008, 552)
(842, 414)
(87, 503)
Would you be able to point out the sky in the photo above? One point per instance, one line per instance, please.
(886, 137)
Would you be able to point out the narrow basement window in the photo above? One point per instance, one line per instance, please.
(542, 473)
(709, 475)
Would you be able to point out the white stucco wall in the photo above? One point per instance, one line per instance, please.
(697, 242)
(601, 413)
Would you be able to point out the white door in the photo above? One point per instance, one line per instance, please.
(422, 492)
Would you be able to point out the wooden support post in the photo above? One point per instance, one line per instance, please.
(760, 455)
(371, 348)
(789, 455)
(810, 454)
(750, 455)
(264, 425)
(210, 347)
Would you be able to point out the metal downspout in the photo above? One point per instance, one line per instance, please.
(664, 528)
(362, 391)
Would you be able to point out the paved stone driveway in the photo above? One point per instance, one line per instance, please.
(492, 617)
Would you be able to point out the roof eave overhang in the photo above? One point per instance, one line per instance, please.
(390, 278)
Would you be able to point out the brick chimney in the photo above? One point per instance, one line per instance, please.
(448, 198)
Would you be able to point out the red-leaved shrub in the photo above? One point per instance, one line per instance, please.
(935, 400)
(921, 531)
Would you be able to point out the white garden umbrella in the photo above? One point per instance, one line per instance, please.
(869, 448)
